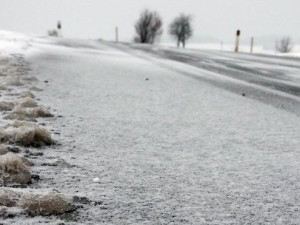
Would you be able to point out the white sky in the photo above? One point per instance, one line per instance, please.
(98, 18)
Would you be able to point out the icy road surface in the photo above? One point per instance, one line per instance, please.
(168, 148)
(241, 73)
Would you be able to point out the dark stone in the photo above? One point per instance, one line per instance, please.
(13, 149)
(98, 203)
(82, 200)
(35, 177)
(49, 164)
(37, 154)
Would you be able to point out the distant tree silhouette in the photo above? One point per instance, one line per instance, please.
(148, 27)
(284, 45)
(181, 29)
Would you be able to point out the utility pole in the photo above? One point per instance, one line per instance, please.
(59, 29)
(117, 34)
(237, 41)
(252, 42)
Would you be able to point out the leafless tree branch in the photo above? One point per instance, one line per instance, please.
(148, 27)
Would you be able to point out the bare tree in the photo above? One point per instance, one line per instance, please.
(148, 27)
(181, 29)
(284, 45)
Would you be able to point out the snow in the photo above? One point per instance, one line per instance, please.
(163, 147)
(96, 179)
(11, 42)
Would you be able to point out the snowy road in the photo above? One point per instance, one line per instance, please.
(169, 148)
(272, 80)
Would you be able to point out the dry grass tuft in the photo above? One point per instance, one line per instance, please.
(13, 170)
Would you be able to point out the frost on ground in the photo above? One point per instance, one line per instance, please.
(142, 143)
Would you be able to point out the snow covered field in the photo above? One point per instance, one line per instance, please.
(166, 148)
(243, 48)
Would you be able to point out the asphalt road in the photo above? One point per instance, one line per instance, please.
(270, 79)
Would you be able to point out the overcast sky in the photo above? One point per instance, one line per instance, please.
(97, 18)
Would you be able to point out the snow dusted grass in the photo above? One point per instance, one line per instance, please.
(21, 113)
(13, 81)
(49, 204)
(27, 94)
(16, 96)
(27, 102)
(41, 135)
(30, 79)
(13, 170)
(36, 204)
(9, 198)
(3, 150)
(6, 106)
(25, 134)
(34, 88)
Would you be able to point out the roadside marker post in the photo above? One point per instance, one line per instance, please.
(59, 29)
(117, 34)
(237, 41)
(252, 43)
